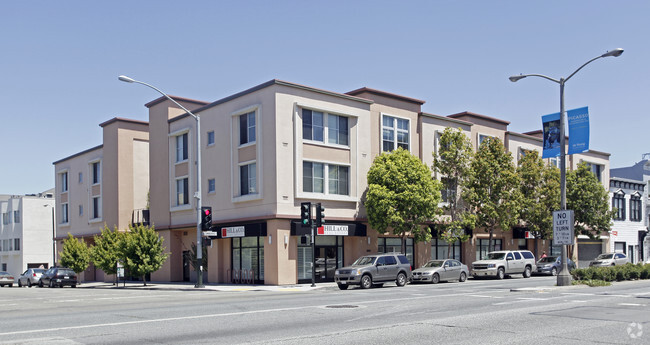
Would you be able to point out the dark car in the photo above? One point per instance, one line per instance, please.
(58, 276)
(552, 265)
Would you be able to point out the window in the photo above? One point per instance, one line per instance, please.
(211, 185)
(395, 133)
(596, 169)
(97, 207)
(17, 216)
(248, 179)
(337, 129)
(81, 210)
(448, 191)
(440, 250)
(248, 254)
(210, 138)
(482, 247)
(481, 138)
(16, 243)
(517, 256)
(64, 182)
(247, 128)
(81, 177)
(5, 218)
(182, 191)
(181, 147)
(313, 178)
(96, 173)
(618, 202)
(64, 213)
(635, 208)
(394, 245)
(312, 125)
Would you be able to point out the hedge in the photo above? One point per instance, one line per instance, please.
(613, 273)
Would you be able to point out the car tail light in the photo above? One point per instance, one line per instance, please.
(34, 274)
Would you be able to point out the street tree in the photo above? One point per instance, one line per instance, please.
(105, 253)
(143, 251)
(540, 191)
(492, 188)
(589, 200)
(402, 195)
(452, 163)
(75, 254)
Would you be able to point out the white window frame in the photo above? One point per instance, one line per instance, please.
(480, 137)
(396, 131)
(16, 216)
(96, 214)
(248, 165)
(65, 214)
(326, 127)
(326, 181)
(95, 174)
(63, 179)
(179, 150)
(211, 138)
(212, 186)
(176, 205)
(249, 114)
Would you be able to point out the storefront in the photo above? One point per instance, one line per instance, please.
(329, 249)
(246, 251)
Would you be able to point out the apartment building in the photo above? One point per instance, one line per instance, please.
(26, 232)
(106, 185)
(266, 150)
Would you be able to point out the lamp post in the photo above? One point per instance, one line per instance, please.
(197, 195)
(564, 278)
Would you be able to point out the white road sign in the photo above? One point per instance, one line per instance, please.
(563, 227)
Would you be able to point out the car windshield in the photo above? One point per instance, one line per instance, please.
(66, 272)
(364, 260)
(548, 259)
(604, 256)
(434, 263)
(494, 256)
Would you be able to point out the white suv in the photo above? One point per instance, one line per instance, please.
(506, 262)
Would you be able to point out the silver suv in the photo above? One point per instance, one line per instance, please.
(375, 269)
(506, 262)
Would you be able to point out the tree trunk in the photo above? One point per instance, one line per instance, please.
(144, 279)
(490, 245)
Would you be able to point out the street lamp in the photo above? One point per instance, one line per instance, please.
(197, 195)
(564, 278)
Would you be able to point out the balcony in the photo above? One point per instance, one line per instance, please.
(140, 217)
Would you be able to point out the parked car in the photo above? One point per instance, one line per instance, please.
(506, 262)
(436, 271)
(609, 259)
(58, 276)
(6, 279)
(30, 277)
(552, 265)
(375, 269)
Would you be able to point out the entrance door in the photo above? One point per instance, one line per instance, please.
(186, 265)
(325, 263)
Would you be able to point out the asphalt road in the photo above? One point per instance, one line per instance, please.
(477, 311)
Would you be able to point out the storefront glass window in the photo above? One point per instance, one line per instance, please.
(482, 247)
(248, 254)
(394, 245)
(440, 250)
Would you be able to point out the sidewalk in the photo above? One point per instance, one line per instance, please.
(187, 286)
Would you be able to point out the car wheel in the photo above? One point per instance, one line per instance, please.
(366, 282)
(463, 277)
(341, 286)
(435, 279)
(553, 271)
(40, 283)
(19, 283)
(401, 279)
(527, 272)
(501, 273)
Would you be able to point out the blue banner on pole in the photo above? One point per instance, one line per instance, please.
(551, 130)
(578, 130)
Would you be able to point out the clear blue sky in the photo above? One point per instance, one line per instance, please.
(60, 61)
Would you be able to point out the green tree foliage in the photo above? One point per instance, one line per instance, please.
(453, 163)
(106, 252)
(540, 191)
(143, 251)
(589, 200)
(75, 254)
(492, 188)
(402, 195)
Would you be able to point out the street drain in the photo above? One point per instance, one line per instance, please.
(342, 306)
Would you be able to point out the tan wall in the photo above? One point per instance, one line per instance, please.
(430, 129)
(280, 261)
(515, 143)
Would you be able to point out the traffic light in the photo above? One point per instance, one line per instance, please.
(305, 213)
(206, 218)
(320, 215)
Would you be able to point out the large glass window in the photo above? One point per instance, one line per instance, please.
(635, 208)
(338, 179)
(181, 147)
(248, 255)
(17, 216)
(337, 129)
(95, 172)
(182, 191)
(248, 179)
(64, 182)
(394, 245)
(441, 250)
(315, 176)
(618, 202)
(247, 128)
(395, 133)
(312, 125)
(482, 247)
(597, 169)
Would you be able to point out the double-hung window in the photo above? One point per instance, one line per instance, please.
(312, 125)
(337, 129)
(96, 172)
(635, 208)
(182, 191)
(64, 182)
(181, 147)
(317, 126)
(64, 213)
(17, 216)
(247, 128)
(248, 179)
(395, 133)
(97, 207)
(618, 202)
(315, 176)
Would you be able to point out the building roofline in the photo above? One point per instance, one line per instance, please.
(176, 98)
(485, 117)
(523, 135)
(624, 179)
(385, 94)
(78, 154)
(120, 119)
(445, 118)
(268, 84)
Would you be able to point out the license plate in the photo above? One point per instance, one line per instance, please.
(343, 282)
(66, 277)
